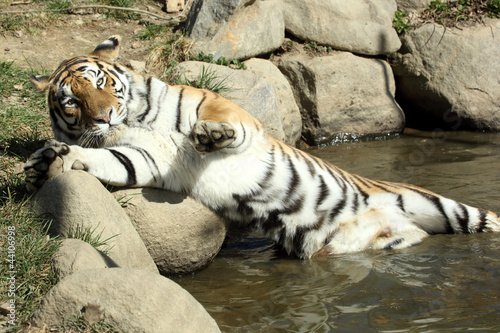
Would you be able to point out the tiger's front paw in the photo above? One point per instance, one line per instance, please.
(209, 136)
(45, 163)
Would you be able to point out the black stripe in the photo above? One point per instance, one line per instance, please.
(294, 206)
(463, 219)
(179, 106)
(309, 164)
(339, 206)
(127, 164)
(437, 203)
(323, 192)
(355, 203)
(295, 179)
(269, 172)
(482, 220)
(163, 92)
(358, 188)
(67, 65)
(272, 222)
(149, 159)
(146, 95)
(199, 104)
(118, 69)
(243, 208)
(401, 203)
(299, 240)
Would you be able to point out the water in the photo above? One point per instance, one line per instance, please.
(450, 283)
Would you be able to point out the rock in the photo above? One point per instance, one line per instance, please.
(182, 235)
(359, 26)
(290, 114)
(261, 90)
(412, 5)
(173, 6)
(343, 93)
(75, 255)
(236, 29)
(448, 78)
(128, 299)
(78, 203)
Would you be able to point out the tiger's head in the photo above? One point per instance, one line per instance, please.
(87, 95)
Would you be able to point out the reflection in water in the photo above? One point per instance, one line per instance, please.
(449, 283)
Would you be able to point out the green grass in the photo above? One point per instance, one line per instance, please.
(24, 127)
(452, 13)
(91, 236)
(206, 80)
(31, 260)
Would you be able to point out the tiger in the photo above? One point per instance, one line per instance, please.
(134, 130)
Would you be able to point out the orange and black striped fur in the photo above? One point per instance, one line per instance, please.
(131, 130)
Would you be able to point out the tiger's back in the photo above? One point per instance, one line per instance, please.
(130, 130)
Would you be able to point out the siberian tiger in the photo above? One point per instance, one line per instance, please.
(130, 130)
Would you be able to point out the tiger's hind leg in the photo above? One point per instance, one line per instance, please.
(357, 234)
(374, 229)
(400, 240)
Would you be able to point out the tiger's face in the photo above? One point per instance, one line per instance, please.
(86, 96)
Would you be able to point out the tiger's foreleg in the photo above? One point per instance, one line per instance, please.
(119, 166)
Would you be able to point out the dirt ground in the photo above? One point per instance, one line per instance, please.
(74, 35)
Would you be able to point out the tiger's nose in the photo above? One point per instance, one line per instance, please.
(107, 117)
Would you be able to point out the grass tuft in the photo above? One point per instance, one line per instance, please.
(207, 80)
(91, 236)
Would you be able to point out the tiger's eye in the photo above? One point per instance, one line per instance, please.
(100, 82)
(71, 103)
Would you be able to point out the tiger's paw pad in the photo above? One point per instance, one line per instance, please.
(45, 163)
(209, 136)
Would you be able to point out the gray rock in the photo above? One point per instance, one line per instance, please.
(75, 255)
(128, 299)
(261, 90)
(181, 234)
(413, 5)
(451, 76)
(236, 29)
(343, 93)
(290, 114)
(77, 203)
(359, 26)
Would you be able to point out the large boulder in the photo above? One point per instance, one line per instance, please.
(261, 90)
(448, 77)
(129, 300)
(182, 235)
(359, 26)
(236, 29)
(343, 93)
(79, 205)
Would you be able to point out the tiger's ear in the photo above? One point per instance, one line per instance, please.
(108, 49)
(41, 82)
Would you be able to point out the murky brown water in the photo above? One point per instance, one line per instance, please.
(450, 283)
